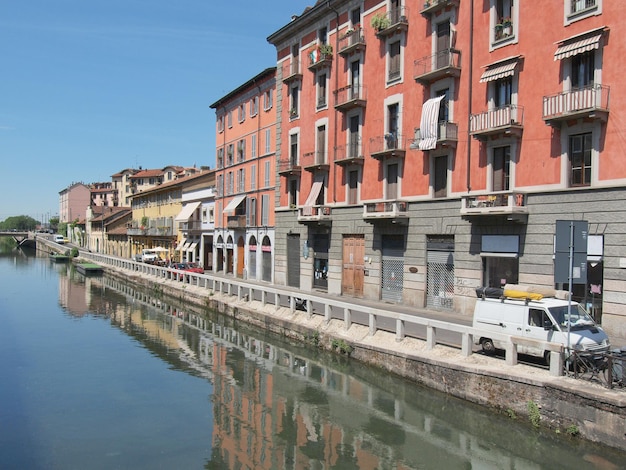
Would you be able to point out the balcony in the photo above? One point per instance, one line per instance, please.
(314, 161)
(191, 226)
(350, 154)
(158, 227)
(236, 221)
(432, 7)
(390, 23)
(314, 214)
(388, 210)
(350, 97)
(507, 120)
(291, 71)
(500, 203)
(446, 63)
(447, 135)
(591, 102)
(388, 145)
(289, 167)
(352, 41)
(320, 57)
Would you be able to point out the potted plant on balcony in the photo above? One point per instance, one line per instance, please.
(293, 112)
(380, 21)
(506, 26)
(326, 51)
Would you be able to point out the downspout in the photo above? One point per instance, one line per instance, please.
(336, 126)
(469, 97)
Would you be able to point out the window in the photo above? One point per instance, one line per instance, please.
(394, 61)
(220, 124)
(440, 178)
(251, 212)
(582, 70)
(392, 135)
(241, 180)
(355, 18)
(497, 271)
(391, 186)
(204, 215)
(265, 210)
(211, 215)
(580, 159)
(293, 110)
(220, 158)
(322, 35)
(353, 186)
(321, 90)
(577, 6)
(230, 154)
(241, 151)
(268, 175)
(354, 138)
(230, 183)
(268, 141)
(241, 113)
(252, 177)
(268, 99)
(293, 192)
(230, 118)
(444, 105)
(503, 17)
(254, 106)
(293, 149)
(501, 168)
(253, 146)
(503, 90)
(220, 186)
(320, 156)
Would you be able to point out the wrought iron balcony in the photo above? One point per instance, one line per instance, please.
(446, 63)
(236, 221)
(589, 102)
(447, 135)
(435, 6)
(313, 161)
(351, 154)
(320, 57)
(385, 210)
(350, 97)
(190, 226)
(289, 167)
(314, 214)
(392, 22)
(291, 70)
(352, 41)
(508, 120)
(388, 145)
(497, 203)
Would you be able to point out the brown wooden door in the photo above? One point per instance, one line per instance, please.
(353, 265)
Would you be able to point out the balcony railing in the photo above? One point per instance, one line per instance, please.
(350, 97)
(156, 227)
(236, 221)
(191, 226)
(446, 63)
(388, 145)
(319, 58)
(291, 70)
(289, 167)
(385, 210)
(508, 119)
(313, 161)
(314, 214)
(433, 6)
(351, 154)
(591, 102)
(393, 21)
(495, 203)
(352, 41)
(447, 135)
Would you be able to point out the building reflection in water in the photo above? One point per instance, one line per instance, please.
(284, 405)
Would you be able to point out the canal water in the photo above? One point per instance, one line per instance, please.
(98, 375)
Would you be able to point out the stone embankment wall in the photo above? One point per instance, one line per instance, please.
(564, 404)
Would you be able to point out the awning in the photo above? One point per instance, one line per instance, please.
(192, 246)
(429, 123)
(183, 247)
(181, 244)
(499, 70)
(187, 212)
(312, 197)
(234, 203)
(578, 44)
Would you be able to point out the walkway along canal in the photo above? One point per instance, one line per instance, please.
(391, 340)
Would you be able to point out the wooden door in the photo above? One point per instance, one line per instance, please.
(353, 265)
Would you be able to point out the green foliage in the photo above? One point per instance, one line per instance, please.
(74, 252)
(344, 348)
(573, 430)
(510, 413)
(533, 413)
(19, 222)
(62, 228)
(380, 21)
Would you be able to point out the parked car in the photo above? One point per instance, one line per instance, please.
(194, 268)
(149, 256)
(59, 239)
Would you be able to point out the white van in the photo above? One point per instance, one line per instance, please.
(59, 239)
(149, 256)
(543, 320)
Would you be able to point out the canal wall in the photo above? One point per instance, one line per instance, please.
(563, 404)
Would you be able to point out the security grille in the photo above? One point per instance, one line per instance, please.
(440, 280)
(252, 265)
(392, 269)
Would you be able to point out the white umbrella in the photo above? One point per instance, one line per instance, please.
(160, 248)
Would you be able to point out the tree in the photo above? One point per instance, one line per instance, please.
(54, 222)
(19, 222)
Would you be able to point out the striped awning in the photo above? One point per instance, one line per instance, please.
(499, 70)
(578, 45)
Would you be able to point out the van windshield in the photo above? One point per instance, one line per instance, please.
(578, 317)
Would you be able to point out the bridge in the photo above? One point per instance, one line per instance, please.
(22, 238)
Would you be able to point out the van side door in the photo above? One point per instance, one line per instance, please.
(538, 327)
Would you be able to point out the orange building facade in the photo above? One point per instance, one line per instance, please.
(428, 148)
(245, 179)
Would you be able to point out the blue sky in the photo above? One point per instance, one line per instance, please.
(90, 87)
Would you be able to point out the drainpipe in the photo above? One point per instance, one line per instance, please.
(469, 97)
(335, 127)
